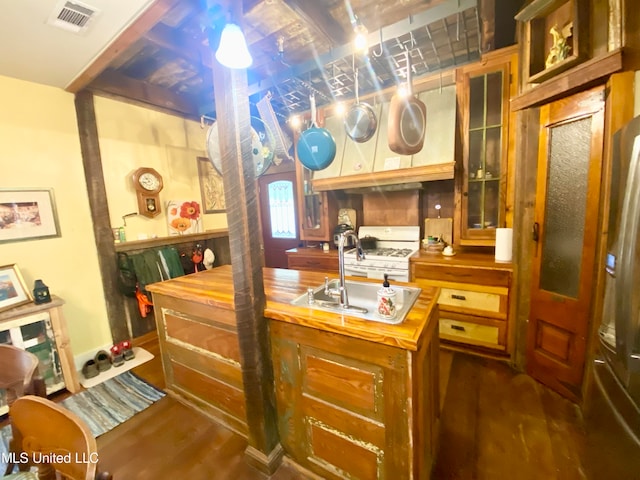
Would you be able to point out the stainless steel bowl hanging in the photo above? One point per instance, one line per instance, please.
(360, 122)
(262, 146)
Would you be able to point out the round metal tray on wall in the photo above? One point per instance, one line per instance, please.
(262, 146)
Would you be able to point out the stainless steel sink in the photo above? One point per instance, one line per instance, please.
(363, 300)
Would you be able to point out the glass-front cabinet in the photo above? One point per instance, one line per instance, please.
(483, 96)
(317, 211)
(34, 333)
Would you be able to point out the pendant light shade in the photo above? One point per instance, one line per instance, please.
(233, 51)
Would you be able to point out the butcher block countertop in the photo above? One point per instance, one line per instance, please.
(215, 287)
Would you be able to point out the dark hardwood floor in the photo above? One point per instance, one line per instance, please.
(496, 424)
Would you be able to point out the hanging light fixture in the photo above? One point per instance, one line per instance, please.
(232, 51)
(360, 42)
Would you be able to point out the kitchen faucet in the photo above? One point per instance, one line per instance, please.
(344, 297)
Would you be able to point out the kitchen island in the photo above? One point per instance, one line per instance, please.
(355, 398)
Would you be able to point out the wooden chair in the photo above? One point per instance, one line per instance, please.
(54, 439)
(19, 373)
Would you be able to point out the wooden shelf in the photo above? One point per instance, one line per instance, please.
(164, 241)
(571, 81)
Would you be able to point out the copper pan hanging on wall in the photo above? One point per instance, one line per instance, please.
(407, 120)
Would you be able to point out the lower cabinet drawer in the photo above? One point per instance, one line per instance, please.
(471, 299)
(313, 263)
(463, 331)
(489, 302)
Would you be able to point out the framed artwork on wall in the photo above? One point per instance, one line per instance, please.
(13, 291)
(27, 214)
(183, 217)
(211, 187)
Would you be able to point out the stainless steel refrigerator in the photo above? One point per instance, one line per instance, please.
(612, 403)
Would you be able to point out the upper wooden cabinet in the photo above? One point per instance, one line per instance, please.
(483, 91)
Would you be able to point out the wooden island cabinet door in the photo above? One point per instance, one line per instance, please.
(343, 404)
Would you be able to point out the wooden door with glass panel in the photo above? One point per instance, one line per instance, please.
(570, 152)
(278, 217)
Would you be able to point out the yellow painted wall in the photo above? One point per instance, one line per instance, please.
(39, 147)
(132, 137)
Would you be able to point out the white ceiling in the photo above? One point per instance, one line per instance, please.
(32, 50)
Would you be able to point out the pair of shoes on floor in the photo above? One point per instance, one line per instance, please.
(103, 360)
(121, 352)
(100, 363)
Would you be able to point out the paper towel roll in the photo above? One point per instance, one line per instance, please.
(504, 243)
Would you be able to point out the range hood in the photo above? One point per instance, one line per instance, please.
(400, 179)
(386, 188)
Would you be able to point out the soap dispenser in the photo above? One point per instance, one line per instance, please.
(386, 300)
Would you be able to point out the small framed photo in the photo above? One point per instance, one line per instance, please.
(27, 214)
(211, 187)
(13, 291)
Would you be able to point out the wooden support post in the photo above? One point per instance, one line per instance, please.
(247, 259)
(94, 178)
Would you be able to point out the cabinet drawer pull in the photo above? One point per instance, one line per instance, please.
(458, 327)
(458, 297)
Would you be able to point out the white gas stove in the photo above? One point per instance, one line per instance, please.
(391, 256)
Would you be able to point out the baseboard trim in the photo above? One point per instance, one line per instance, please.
(267, 464)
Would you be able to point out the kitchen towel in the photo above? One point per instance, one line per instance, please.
(504, 244)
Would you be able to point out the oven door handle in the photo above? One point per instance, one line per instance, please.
(355, 271)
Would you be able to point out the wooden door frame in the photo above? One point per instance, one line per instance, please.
(526, 187)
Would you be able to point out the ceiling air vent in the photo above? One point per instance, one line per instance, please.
(72, 16)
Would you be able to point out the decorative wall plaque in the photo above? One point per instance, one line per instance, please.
(555, 37)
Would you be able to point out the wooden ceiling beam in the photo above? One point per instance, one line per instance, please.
(145, 22)
(114, 84)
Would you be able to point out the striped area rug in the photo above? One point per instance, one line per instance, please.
(102, 407)
(110, 403)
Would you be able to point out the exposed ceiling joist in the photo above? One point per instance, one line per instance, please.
(142, 24)
(314, 13)
(180, 44)
(398, 29)
(114, 84)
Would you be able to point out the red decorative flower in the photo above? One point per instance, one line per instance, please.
(190, 210)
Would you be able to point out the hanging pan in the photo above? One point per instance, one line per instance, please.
(316, 146)
(407, 120)
(360, 122)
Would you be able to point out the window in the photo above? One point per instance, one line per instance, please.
(282, 209)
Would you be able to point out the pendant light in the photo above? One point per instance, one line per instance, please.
(232, 51)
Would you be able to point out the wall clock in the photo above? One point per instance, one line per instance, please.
(147, 183)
